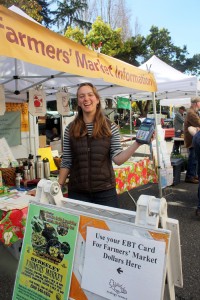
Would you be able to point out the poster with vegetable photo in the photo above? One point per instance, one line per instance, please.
(46, 260)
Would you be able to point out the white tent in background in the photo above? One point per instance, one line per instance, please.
(171, 84)
(176, 102)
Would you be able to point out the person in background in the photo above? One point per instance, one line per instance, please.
(194, 131)
(55, 135)
(91, 143)
(191, 119)
(178, 127)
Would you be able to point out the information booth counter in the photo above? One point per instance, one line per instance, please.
(75, 250)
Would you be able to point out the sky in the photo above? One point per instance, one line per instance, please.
(181, 18)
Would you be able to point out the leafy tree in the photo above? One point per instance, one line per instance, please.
(159, 43)
(132, 50)
(144, 107)
(45, 12)
(70, 13)
(76, 34)
(193, 65)
(31, 7)
(113, 12)
(100, 36)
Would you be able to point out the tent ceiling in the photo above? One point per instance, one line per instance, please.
(18, 77)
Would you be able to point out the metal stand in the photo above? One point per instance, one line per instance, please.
(152, 213)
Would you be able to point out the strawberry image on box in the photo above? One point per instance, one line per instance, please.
(37, 101)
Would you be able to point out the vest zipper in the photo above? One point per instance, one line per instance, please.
(89, 163)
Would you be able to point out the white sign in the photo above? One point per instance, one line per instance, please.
(6, 155)
(37, 102)
(119, 266)
(63, 103)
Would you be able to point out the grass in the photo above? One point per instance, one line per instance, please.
(126, 130)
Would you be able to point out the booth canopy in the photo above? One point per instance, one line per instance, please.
(176, 102)
(32, 55)
(171, 84)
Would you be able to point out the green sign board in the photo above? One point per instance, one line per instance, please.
(123, 103)
(46, 261)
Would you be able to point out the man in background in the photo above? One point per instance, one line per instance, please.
(195, 132)
(178, 126)
(191, 119)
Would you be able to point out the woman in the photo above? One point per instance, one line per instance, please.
(91, 143)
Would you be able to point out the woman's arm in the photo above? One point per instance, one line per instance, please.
(118, 155)
(126, 154)
(66, 159)
(63, 173)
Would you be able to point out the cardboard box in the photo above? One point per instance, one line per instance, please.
(42, 141)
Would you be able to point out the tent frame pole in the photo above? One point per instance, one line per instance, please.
(130, 118)
(157, 145)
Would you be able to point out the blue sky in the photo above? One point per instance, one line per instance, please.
(181, 18)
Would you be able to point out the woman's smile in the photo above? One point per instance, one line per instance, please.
(87, 99)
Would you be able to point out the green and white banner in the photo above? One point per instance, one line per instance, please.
(123, 103)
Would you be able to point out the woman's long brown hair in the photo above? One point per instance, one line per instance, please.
(101, 125)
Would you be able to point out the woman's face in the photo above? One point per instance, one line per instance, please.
(87, 99)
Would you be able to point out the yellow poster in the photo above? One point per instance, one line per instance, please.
(46, 153)
(33, 43)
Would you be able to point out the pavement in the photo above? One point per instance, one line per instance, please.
(181, 201)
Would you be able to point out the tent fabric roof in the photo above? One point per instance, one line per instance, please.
(31, 55)
(176, 102)
(170, 82)
(163, 72)
(21, 13)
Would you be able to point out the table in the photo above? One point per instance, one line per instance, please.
(128, 176)
(134, 173)
(13, 222)
(12, 225)
(178, 139)
(169, 132)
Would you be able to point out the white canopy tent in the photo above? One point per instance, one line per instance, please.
(177, 102)
(171, 84)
